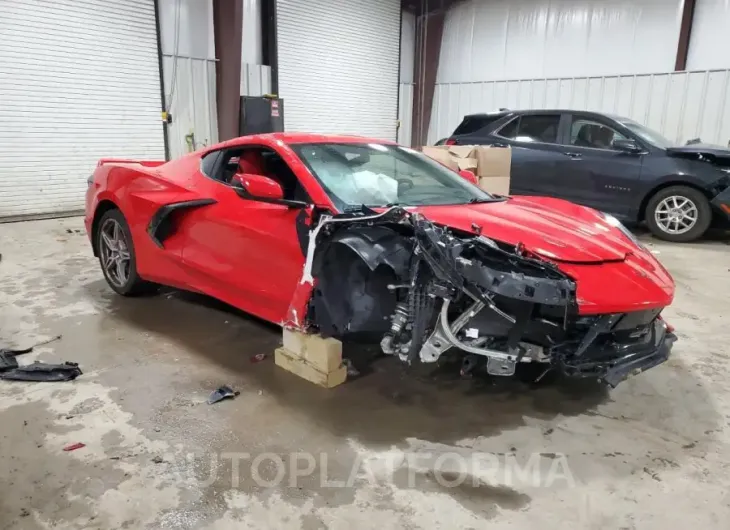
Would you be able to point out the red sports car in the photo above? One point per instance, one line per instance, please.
(366, 240)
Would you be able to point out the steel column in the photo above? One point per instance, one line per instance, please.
(429, 33)
(685, 32)
(228, 27)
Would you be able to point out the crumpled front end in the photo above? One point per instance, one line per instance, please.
(422, 291)
(721, 204)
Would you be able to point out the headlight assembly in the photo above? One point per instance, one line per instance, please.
(610, 219)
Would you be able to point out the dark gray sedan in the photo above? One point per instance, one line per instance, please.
(610, 163)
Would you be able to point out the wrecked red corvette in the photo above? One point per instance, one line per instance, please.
(365, 240)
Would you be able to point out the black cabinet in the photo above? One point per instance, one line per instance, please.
(261, 115)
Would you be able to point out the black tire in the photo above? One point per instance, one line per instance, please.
(694, 196)
(131, 284)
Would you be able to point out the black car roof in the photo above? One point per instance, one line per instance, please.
(489, 114)
(505, 112)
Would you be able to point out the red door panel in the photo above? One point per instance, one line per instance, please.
(244, 252)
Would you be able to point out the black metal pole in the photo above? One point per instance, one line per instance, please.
(163, 114)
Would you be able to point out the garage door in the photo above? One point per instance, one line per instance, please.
(80, 81)
(338, 65)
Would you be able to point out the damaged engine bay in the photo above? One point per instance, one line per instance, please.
(420, 290)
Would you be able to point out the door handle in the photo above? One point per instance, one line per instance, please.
(574, 156)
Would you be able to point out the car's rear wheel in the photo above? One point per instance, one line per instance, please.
(679, 214)
(117, 257)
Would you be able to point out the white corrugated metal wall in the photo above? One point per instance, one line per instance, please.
(188, 51)
(486, 40)
(79, 80)
(338, 65)
(613, 56)
(405, 90)
(255, 75)
(710, 43)
(681, 105)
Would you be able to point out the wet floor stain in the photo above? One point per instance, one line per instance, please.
(155, 452)
(471, 490)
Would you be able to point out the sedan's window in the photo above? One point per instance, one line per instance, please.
(542, 128)
(473, 124)
(590, 133)
(647, 134)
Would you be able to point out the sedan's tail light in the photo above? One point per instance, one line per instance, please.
(450, 141)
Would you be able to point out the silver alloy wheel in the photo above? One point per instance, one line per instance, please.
(676, 215)
(115, 257)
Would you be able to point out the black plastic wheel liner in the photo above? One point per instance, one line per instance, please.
(350, 299)
(377, 245)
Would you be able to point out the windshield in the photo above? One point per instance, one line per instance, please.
(648, 135)
(379, 175)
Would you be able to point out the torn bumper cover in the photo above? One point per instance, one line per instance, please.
(721, 204)
(612, 358)
(421, 290)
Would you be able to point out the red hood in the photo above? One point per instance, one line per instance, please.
(631, 279)
(553, 228)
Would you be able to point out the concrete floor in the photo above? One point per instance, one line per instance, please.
(654, 453)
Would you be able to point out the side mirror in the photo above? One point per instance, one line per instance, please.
(469, 176)
(258, 186)
(627, 146)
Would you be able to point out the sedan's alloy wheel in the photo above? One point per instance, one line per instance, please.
(676, 215)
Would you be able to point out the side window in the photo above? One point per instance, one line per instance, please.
(254, 160)
(276, 168)
(228, 165)
(590, 133)
(221, 165)
(510, 130)
(475, 124)
(541, 128)
(207, 164)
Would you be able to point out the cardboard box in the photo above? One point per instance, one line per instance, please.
(295, 364)
(324, 354)
(492, 165)
(496, 185)
(442, 155)
(494, 161)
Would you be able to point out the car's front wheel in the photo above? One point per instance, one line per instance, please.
(116, 255)
(679, 214)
